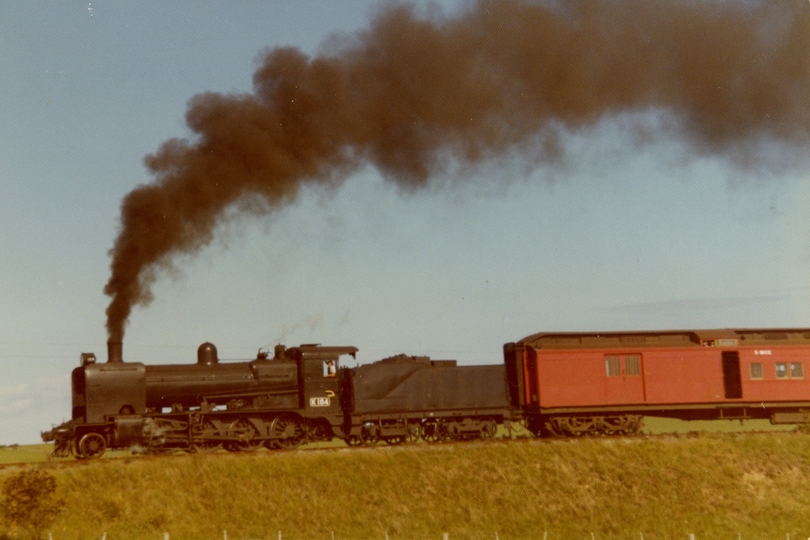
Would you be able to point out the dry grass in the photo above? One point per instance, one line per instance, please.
(715, 486)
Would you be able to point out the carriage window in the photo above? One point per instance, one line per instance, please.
(756, 370)
(632, 366)
(613, 366)
(781, 370)
(796, 370)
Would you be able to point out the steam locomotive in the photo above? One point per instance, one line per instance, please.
(301, 394)
(555, 384)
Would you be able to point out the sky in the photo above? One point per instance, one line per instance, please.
(612, 234)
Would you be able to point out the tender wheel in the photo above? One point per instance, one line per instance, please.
(489, 430)
(393, 441)
(287, 432)
(369, 434)
(445, 432)
(429, 432)
(91, 446)
(353, 440)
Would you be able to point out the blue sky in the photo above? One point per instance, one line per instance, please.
(616, 236)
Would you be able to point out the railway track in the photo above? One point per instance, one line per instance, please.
(523, 437)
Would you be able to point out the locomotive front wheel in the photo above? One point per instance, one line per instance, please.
(74, 448)
(91, 446)
(393, 441)
(413, 433)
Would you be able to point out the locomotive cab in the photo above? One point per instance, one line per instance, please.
(318, 378)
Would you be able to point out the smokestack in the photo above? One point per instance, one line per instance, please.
(115, 353)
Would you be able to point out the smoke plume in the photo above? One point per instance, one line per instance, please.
(410, 92)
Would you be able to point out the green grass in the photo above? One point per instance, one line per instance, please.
(712, 485)
(654, 425)
(34, 453)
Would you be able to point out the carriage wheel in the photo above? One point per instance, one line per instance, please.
(92, 446)
(580, 425)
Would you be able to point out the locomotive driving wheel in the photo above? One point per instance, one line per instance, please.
(247, 434)
(91, 446)
(287, 431)
(201, 433)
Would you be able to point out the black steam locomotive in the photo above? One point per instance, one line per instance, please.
(301, 394)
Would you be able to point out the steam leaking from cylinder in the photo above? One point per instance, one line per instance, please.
(411, 92)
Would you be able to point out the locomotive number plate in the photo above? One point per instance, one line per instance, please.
(320, 402)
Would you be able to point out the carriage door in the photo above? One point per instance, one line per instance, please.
(533, 386)
(624, 383)
(732, 382)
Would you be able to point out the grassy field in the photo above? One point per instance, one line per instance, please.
(715, 485)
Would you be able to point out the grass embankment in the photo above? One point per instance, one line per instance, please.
(713, 485)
